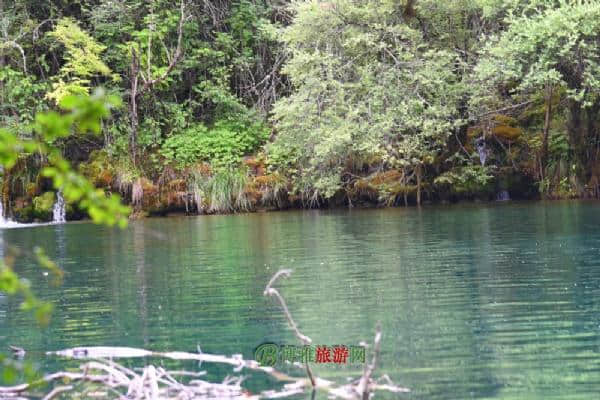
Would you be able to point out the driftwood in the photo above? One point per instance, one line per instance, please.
(359, 389)
(270, 291)
(101, 377)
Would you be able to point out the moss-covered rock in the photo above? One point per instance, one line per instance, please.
(24, 214)
(43, 205)
(99, 169)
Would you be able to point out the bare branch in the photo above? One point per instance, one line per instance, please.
(363, 387)
(303, 338)
(12, 43)
(273, 292)
(56, 391)
(525, 103)
(176, 56)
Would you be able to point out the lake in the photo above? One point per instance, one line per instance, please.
(483, 301)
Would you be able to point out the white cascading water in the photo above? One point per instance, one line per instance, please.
(481, 149)
(58, 212)
(5, 222)
(2, 219)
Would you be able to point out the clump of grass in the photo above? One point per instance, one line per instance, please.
(272, 189)
(222, 191)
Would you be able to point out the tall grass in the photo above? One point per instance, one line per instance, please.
(222, 191)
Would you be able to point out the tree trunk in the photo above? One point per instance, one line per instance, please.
(575, 130)
(592, 133)
(133, 111)
(5, 197)
(419, 170)
(544, 156)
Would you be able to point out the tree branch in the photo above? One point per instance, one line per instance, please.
(176, 56)
(269, 291)
(12, 43)
(365, 381)
(525, 103)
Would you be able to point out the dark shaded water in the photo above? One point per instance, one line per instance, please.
(481, 301)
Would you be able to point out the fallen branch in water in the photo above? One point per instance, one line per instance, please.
(303, 338)
(355, 390)
(365, 381)
(101, 377)
(110, 380)
(273, 292)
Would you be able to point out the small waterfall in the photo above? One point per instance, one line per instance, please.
(2, 220)
(58, 212)
(6, 222)
(481, 149)
(502, 196)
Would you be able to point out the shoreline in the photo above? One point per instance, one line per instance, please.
(425, 205)
(437, 205)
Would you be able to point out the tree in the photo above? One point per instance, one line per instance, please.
(368, 95)
(150, 78)
(547, 50)
(82, 57)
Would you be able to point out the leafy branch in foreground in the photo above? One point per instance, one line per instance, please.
(81, 114)
(84, 114)
(13, 285)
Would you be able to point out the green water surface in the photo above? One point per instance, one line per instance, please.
(498, 301)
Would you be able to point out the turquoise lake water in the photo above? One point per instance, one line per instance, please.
(486, 301)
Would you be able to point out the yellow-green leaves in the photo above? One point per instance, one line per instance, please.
(83, 61)
(9, 281)
(102, 209)
(52, 125)
(85, 114)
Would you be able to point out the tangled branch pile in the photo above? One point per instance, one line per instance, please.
(101, 377)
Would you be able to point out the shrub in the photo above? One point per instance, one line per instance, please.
(224, 144)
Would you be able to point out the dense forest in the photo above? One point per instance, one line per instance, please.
(267, 104)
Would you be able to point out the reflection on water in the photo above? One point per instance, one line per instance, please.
(498, 301)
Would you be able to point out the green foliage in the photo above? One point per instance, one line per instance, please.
(82, 114)
(367, 92)
(42, 205)
(549, 50)
(223, 144)
(366, 86)
(21, 96)
(12, 369)
(466, 180)
(557, 46)
(12, 285)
